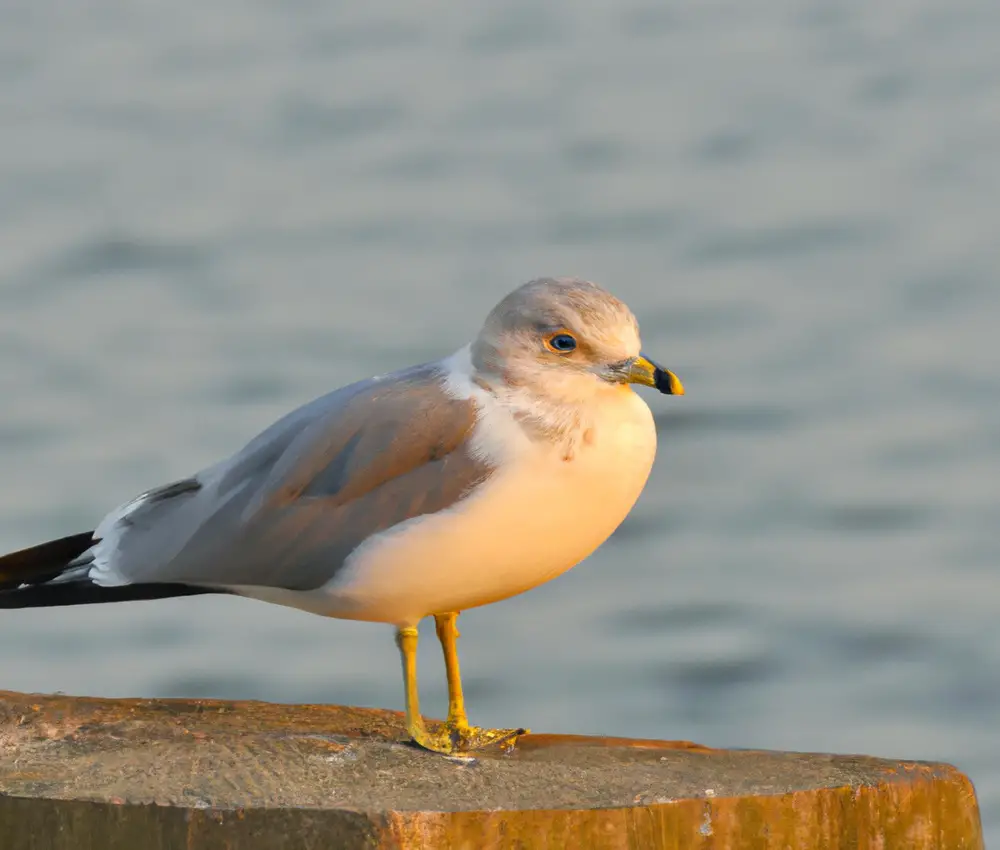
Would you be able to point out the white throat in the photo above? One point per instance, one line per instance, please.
(562, 421)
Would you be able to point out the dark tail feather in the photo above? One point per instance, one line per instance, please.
(51, 574)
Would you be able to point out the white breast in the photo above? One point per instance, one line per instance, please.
(539, 514)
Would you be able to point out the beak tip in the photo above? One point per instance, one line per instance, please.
(668, 383)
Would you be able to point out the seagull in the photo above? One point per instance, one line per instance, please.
(424, 492)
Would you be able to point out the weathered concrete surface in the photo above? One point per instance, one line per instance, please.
(94, 774)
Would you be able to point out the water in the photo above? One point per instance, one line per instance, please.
(211, 214)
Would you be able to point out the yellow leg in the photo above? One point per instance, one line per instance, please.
(406, 640)
(463, 736)
(455, 735)
(448, 634)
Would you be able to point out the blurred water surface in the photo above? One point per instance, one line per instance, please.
(210, 214)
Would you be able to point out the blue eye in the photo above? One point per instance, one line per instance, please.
(562, 343)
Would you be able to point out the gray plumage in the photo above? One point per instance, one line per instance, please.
(288, 509)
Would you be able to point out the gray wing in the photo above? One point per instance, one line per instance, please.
(288, 509)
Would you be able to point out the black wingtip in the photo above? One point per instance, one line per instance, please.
(53, 574)
(43, 562)
(85, 592)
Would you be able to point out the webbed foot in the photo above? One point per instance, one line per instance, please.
(458, 739)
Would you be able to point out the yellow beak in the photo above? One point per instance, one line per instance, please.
(650, 374)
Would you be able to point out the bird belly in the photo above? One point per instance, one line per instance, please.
(537, 516)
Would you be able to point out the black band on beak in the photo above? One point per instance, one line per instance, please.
(647, 371)
(666, 382)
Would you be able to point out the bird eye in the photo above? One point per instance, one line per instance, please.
(561, 343)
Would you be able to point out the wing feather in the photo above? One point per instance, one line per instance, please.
(289, 509)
